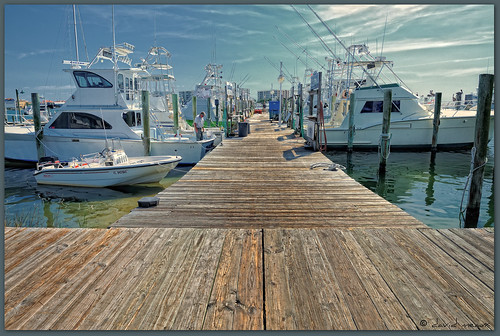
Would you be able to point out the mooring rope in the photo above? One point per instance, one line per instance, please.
(467, 186)
(327, 165)
(385, 136)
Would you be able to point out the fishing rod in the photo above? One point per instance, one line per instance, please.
(300, 47)
(305, 64)
(343, 46)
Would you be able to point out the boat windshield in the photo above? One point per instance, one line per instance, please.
(86, 79)
(79, 120)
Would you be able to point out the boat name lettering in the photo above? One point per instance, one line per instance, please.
(120, 172)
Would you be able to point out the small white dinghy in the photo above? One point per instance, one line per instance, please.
(111, 167)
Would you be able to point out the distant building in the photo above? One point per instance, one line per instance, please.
(185, 96)
(266, 95)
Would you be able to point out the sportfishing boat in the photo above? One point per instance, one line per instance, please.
(110, 167)
(411, 123)
(210, 90)
(106, 104)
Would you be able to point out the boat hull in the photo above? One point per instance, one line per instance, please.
(20, 147)
(455, 132)
(145, 170)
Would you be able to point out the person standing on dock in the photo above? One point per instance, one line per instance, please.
(199, 123)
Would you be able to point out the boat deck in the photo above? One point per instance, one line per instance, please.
(252, 238)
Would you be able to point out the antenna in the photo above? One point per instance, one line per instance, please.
(383, 37)
(114, 52)
(76, 34)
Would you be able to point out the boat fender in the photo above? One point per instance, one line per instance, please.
(147, 202)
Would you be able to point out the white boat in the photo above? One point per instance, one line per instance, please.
(111, 167)
(106, 104)
(210, 90)
(411, 125)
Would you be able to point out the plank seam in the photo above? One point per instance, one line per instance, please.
(264, 324)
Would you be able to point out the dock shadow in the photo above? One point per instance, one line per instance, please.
(296, 153)
(287, 137)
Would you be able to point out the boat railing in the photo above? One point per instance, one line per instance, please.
(451, 105)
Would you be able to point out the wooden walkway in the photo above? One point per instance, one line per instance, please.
(356, 263)
(265, 180)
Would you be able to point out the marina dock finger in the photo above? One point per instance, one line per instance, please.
(262, 234)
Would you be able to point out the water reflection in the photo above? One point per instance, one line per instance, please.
(428, 187)
(429, 191)
(29, 204)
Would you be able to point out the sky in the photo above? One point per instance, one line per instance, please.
(442, 48)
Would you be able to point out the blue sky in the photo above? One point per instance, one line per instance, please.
(438, 47)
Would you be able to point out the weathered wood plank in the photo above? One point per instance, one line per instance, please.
(363, 311)
(47, 282)
(452, 278)
(463, 258)
(71, 300)
(390, 309)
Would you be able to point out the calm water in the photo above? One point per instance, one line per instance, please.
(430, 193)
(28, 204)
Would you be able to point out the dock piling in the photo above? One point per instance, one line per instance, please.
(300, 123)
(437, 114)
(146, 139)
(38, 125)
(175, 106)
(350, 132)
(385, 136)
(194, 101)
(485, 93)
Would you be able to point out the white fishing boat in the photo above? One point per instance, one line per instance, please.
(111, 167)
(99, 109)
(106, 103)
(411, 123)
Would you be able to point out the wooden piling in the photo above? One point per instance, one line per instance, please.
(485, 93)
(224, 114)
(385, 136)
(18, 108)
(350, 132)
(301, 113)
(209, 110)
(292, 107)
(146, 140)
(175, 106)
(194, 101)
(217, 111)
(437, 114)
(38, 125)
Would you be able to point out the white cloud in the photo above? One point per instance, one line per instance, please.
(428, 43)
(37, 53)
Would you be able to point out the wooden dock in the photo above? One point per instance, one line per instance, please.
(253, 239)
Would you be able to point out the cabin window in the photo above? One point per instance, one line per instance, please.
(138, 118)
(87, 79)
(377, 106)
(79, 120)
(127, 87)
(120, 82)
(129, 118)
